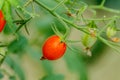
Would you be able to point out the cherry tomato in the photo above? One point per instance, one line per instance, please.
(53, 48)
(2, 21)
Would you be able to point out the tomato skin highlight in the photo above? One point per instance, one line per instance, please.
(53, 48)
(2, 21)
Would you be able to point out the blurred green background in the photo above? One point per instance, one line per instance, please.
(24, 51)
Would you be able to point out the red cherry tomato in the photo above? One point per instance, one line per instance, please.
(2, 21)
(53, 48)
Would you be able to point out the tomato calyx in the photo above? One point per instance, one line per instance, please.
(42, 58)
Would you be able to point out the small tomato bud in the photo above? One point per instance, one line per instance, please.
(111, 31)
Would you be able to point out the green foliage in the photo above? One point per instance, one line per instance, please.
(12, 78)
(97, 50)
(48, 67)
(48, 17)
(75, 63)
(53, 77)
(1, 3)
(8, 15)
(1, 75)
(7, 29)
(14, 3)
(18, 45)
(16, 67)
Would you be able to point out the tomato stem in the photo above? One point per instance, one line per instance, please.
(42, 58)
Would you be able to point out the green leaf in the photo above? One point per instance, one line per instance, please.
(1, 3)
(75, 63)
(8, 15)
(18, 45)
(1, 75)
(12, 78)
(47, 65)
(97, 50)
(7, 29)
(14, 3)
(33, 52)
(53, 77)
(16, 67)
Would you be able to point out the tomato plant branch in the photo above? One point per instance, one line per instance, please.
(33, 7)
(27, 3)
(25, 11)
(107, 43)
(98, 36)
(101, 19)
(75, 26)
(24, 22)
(102, 3)
(44, 6)
(2, 54)
(104, 8)
(71, 41)
(58, 5)
(56, 31)
(56, 15)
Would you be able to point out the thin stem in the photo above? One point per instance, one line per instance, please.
(104, 8)
(111, 10)
(75, 26)
(106, 42)
(58, 5)
(18, 21)
(19, 15)
(33, 7)
(101, 19)
(56, 31)
(102, 3)
(83, 19)
(27, 3)
(26, 29)
(115, 44)
(66, 26)
(44, 6)
(23, 24)
(71, 41)
(25, 11)
(2, 55)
